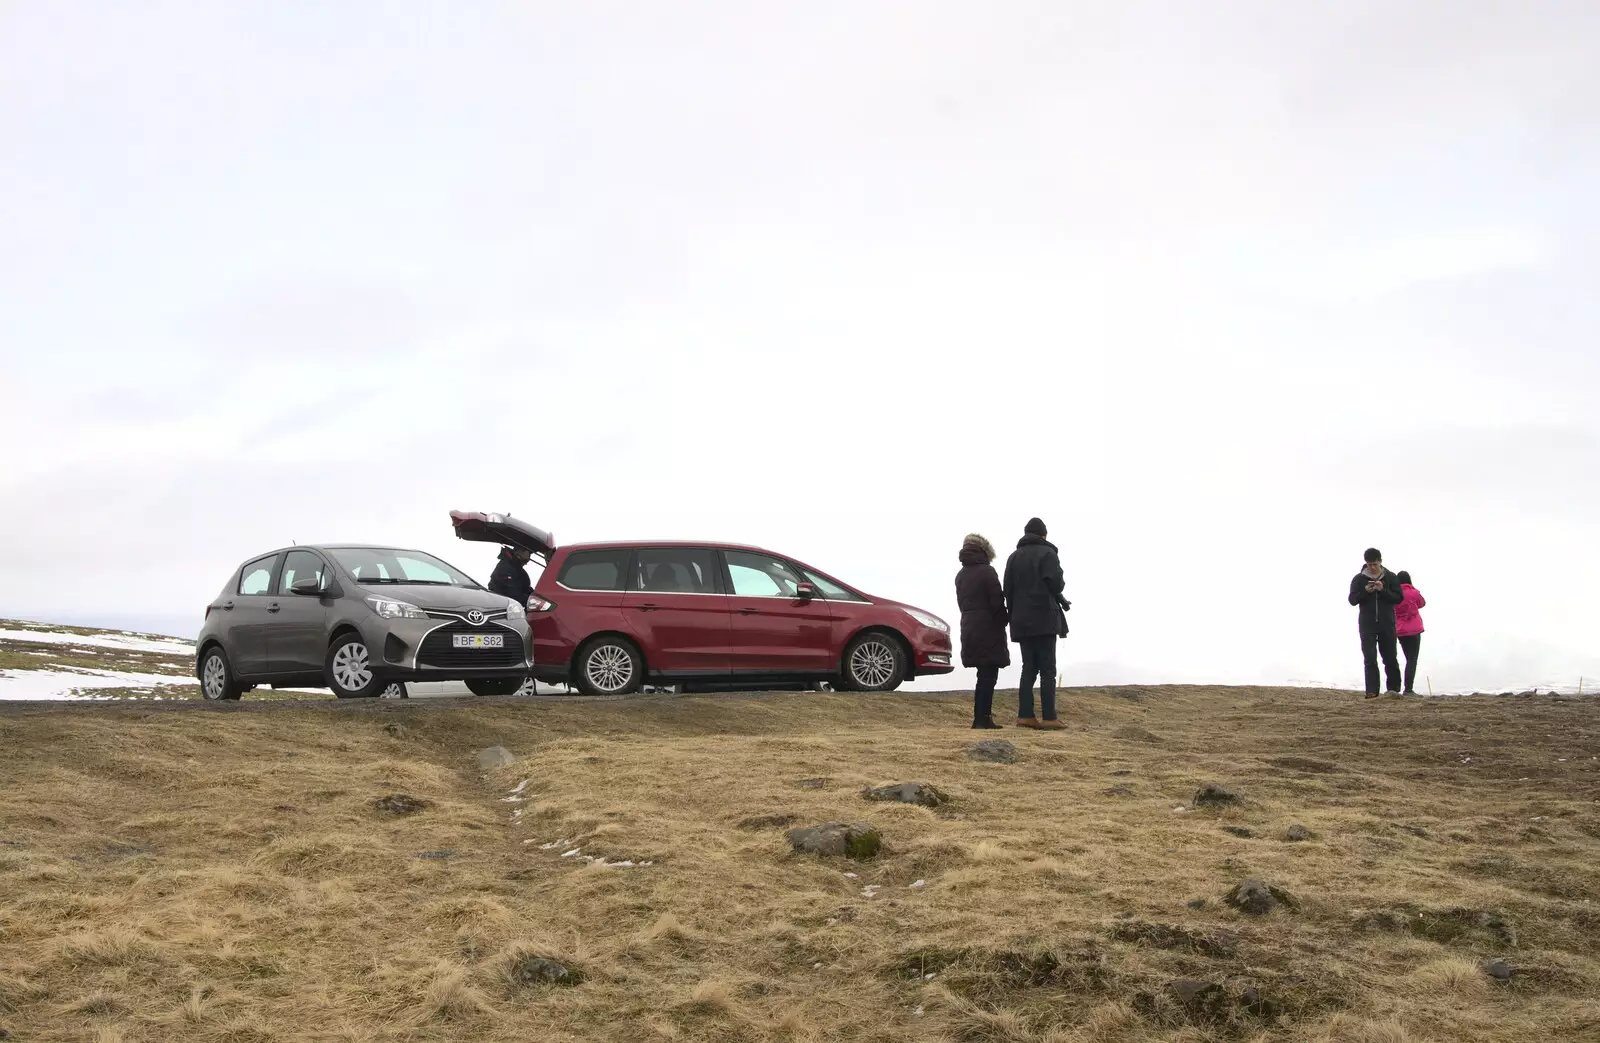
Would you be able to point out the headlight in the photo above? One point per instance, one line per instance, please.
(389, 609)
(515, 611)
(928, 620)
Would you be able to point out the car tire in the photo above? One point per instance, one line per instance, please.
(394, 690)
(874, 662)
(493, 685)
(609, 666)
(528, 687)
(349, 671)
(216, 677)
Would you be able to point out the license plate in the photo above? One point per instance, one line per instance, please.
(478, 640)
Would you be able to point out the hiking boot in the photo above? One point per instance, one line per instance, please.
(1027, 722)
(1051, 726)
(985, 724)
(1372, 695)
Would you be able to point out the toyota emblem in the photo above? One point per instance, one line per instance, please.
(475, 617)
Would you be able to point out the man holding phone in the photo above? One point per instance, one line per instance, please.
(1375, 592)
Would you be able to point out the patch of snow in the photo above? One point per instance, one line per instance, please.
(919, 883)
(60, 684)
(569, 854)
(168, 646)
(520, 787)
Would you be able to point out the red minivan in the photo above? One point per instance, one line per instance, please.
(610, 617)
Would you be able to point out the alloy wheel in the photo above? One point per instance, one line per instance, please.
(214, 680)
(393, 690)
(872, 663)
(352, 669)
(610, 668)
(529, 687)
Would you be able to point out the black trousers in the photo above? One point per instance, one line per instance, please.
(1038, 661)
(1412, 646)
(1375, 641)
(983, 694)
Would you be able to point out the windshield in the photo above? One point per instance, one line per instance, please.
(373, 566)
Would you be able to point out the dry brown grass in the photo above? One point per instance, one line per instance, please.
(226, 877)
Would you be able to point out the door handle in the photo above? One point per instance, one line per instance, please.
(228, 606)
(273, 607)
(749, 611)
(648, 607)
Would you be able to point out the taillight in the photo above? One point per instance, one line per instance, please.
(539, 604)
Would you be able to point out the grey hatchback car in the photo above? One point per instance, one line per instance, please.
(361, 621)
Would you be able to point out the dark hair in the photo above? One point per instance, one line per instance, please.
(1373, 554)
(1403, 577)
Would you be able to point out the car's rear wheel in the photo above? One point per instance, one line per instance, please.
(216, 676)
(494, 685)
(349, 669)
(610, 666)
(528, 686)
(394, 690)
(874, 662)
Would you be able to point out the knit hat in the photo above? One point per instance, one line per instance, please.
(1035, 527)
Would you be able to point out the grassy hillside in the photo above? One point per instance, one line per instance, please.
(173, 874)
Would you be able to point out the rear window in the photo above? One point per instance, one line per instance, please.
(593, 570)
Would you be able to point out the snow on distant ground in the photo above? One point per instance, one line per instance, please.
(122, 642)
(66, 684)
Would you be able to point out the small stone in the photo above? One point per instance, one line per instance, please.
(1256, 897)
(399, 804)
(1117, 791)
(994, 751)
(758, 822)
(1214, 795)
(493, 757)
(1416, 831)
(858, 840)
(436, 856)
(1198, 903)
(921, 793)
(396, 729)
(1499, 970)
(1240, 831)
(812, 783)
(539, 970)
(1297, 833)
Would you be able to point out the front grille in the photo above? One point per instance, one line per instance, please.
(437, 651)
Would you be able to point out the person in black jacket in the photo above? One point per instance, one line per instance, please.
(510, 576)
(1033, 589)
(1375, 591)
(983, 624)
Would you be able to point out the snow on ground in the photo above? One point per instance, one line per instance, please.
(61, 684)
(122, 642)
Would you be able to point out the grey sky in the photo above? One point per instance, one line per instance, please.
(1225, 292)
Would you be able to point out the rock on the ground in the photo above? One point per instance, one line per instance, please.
(1297, 833)
(923, 793)
(995, 751)
(539, 970)
(396, 729)
(851, 839)
(1240, 831)
(1499, 970)
(493, 757)
(1205, 999)
(1256, 897)
(1121, 790)
(399, 804)
(757, 822)
(1213, 795)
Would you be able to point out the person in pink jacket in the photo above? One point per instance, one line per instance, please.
(1408, 627)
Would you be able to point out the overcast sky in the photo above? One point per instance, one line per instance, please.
(1225, 292)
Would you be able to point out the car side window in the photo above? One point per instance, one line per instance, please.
(830, 590)
(593, 570)
(675, 570)
(300, 564)
(758, 576)
(256, 577)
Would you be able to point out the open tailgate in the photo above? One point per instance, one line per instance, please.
(504, 529)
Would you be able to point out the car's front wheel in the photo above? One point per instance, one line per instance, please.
(874, 662)
(494, 685)
(610, 666)
(350, 670)
(216, 677)
(394, 690)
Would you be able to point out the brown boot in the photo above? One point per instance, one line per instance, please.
(1027, 722)
(1051, 726)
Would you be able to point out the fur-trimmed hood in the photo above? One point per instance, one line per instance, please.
(976, 550)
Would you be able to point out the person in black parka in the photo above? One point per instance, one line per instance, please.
(510, 576)
(1033, 588)
(1375, 591)
(983, 624)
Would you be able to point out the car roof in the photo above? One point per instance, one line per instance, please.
(337, 546)
(632, 544)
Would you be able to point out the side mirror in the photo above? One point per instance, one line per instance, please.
(308, 587)
(805, 591)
